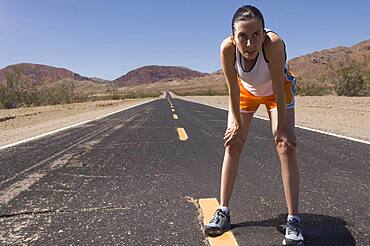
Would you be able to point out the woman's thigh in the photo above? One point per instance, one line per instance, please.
(290, 117)
(246, 119)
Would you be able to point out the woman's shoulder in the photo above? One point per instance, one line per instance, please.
(227, 53)
(272, 38)
(228, 46)
(273, 45)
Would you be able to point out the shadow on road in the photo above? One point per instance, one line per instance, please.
(320, 230)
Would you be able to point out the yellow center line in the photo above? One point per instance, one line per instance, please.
(208, 207)
(182, 134)
(175, 116)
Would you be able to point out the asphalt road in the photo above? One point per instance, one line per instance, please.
(127, 179)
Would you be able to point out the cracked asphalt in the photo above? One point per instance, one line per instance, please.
(127, 179)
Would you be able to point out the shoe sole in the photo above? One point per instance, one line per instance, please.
(214, 232)
(289, 242)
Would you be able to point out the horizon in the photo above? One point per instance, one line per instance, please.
(107, 41)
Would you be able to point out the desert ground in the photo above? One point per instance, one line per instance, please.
(348, 116)
(22, 123)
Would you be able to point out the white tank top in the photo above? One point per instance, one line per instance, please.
(258, 80)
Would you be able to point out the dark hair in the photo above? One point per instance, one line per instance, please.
(247, 12)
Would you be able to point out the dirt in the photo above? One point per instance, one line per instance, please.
(22, 123)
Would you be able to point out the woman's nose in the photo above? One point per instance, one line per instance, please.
(248, 42)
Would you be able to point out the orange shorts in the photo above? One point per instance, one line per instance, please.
(249, 103)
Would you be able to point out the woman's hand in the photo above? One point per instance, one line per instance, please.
(233, 134)
(286, 136)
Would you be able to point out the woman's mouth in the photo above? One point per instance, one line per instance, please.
(250, 52)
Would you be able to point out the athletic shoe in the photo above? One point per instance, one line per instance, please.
(218, 224)
(294, 233)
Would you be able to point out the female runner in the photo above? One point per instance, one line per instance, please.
(254, 64)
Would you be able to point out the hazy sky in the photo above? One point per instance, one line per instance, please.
(107, 39)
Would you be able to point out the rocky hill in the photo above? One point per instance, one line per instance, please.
(152, 74)
(37, 74)
(319, 66)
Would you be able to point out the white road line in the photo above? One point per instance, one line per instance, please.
(71, 126)
(302, 127)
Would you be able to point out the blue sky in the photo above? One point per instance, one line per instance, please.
(107, 39)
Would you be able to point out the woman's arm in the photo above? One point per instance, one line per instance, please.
(276, 56)
(227, 54)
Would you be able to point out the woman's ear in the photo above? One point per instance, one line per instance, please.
(232, 39)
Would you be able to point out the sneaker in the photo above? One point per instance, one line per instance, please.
(294, 233)
(218, 224)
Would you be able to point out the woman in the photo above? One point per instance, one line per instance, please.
(254, 64)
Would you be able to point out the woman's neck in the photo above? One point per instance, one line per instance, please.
(248, 64)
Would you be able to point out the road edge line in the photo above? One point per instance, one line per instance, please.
(297, 126)
(71, 126)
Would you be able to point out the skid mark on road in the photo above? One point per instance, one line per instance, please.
(19, 223)
(67, 157)
(62, 210)
(18, 187)
(90, 176)
(18, 233)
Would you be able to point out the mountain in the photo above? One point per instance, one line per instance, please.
(319, 66)
(95, 79)
(153, 73)
(37, 74)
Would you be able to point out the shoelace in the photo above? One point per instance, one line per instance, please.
(294, 227)
(216, 217)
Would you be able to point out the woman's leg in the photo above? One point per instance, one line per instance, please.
(289, 166)
(230, 164)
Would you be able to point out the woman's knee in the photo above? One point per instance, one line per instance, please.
(284, 149)
(235, 148)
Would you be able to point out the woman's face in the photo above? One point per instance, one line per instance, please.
(249, 37)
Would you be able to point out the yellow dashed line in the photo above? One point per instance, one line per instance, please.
(208, 207)
(175, 116)
(182, 134)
